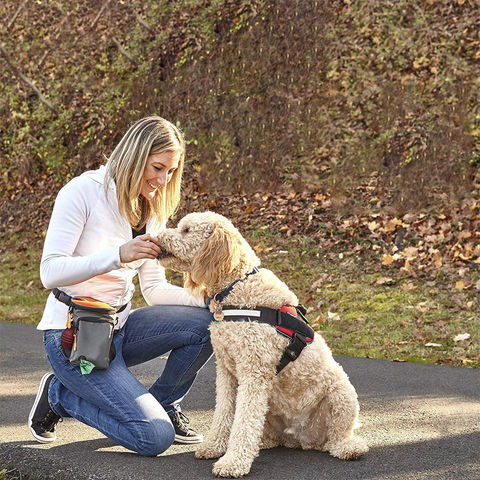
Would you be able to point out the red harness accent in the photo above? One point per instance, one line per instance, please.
(287, 331)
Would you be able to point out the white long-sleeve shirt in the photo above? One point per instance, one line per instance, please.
(81, 254)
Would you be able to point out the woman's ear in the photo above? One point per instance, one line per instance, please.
(217, 257)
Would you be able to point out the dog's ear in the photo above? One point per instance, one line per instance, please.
(218, 256)
(193, 287)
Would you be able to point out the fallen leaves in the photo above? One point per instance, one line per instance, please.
(333, 316)
(461, 336)
(387, 260)
(462, 285)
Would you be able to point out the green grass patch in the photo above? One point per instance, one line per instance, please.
(22, 296)
(361, 313)
(357, 310)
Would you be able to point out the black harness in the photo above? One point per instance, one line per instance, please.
(296, 329)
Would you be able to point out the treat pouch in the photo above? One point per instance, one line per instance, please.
(93, 324)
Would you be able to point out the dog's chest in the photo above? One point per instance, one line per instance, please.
(247, 343)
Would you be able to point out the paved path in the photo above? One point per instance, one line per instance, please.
(421, 422)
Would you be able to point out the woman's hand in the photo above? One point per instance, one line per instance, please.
(143, 246)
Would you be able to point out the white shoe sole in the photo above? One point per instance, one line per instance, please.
(38, 438)
(186, 440)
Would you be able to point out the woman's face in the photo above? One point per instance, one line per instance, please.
(158, 171)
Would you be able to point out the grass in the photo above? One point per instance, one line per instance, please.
(357, 310)
(362, 313)
(22, 296)
(11, 474)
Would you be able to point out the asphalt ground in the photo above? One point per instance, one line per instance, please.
(420, 421)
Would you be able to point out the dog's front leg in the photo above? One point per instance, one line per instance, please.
(215, 443)
(251, 408)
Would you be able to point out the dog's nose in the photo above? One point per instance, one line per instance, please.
(163, 253)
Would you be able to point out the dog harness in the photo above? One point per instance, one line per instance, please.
(285, 321)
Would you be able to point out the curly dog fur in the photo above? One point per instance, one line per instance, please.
(310, 404)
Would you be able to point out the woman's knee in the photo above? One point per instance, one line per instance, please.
(201, 324)
(156, 438)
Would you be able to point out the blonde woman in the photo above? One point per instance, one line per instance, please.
(102, 233)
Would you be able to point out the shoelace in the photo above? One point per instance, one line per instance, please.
(50, 420)
(182, 420)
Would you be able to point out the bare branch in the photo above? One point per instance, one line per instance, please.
(16, 14)
(123, 51)
(24, 79)
(144, 24)
(95, 20)
(99, 14)
(141, 21)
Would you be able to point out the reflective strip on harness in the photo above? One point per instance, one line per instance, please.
(286, 321)
(240, 313)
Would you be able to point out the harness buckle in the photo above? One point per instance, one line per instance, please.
(292, 350)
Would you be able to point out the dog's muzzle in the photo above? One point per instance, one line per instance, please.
(163, 253)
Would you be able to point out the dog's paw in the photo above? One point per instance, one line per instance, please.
(231, 468)
(209, 450)
(348, 449)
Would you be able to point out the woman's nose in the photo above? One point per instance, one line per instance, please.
(162, 179)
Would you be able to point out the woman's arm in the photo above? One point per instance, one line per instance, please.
(157, 291)
(58, 266)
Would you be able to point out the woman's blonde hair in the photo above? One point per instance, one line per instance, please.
(126, 165)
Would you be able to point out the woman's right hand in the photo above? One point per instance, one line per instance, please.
(143, 246)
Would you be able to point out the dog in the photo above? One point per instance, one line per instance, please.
(309, 404)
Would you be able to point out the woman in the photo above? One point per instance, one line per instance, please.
(101, 234)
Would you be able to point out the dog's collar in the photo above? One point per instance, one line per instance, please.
(221, 295)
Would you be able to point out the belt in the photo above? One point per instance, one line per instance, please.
(67, 300)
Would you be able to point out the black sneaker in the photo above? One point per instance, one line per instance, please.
(42, 419)
(183, 433)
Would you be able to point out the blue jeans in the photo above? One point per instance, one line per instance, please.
(113, 400)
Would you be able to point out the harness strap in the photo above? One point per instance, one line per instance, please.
(297, 330)
(292, 351)
(221, 295)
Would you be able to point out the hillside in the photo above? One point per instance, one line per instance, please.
(348, 127)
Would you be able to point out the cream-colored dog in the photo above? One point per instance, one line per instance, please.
(310, 404)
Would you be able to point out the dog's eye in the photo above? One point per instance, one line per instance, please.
(186, 230)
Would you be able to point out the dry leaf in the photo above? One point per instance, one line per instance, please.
(461, 336)
(392, 225)
(384, 281)
(387, 260)
(408, 286)
(372, 226)
(318, 283)
(410, 253)
(333, 316)
(424, 307)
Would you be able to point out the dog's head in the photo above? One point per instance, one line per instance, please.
(207, 248)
